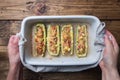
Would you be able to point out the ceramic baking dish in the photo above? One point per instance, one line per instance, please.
(92, 57)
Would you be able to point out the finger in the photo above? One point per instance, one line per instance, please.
(109, 37)
(114, 42)
(16, 39)
(101, 64)
(11, 40)
(108, 43)
(108, 46)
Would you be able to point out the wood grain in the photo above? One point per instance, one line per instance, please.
(108, 9)
(3, 65)
(8, 28)
(13, 11)
(114, 28)
(84, 75)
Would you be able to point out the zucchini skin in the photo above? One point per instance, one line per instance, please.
(79, 52)
(34, 43)
(57, 36)
(70, 34)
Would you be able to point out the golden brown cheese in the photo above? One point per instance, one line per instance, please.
(67, 39)
(81, 41)
(53, 40)
(39, 40)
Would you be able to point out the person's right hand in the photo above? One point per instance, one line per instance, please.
(110, 55)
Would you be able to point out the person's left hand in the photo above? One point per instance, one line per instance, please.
(13, 51)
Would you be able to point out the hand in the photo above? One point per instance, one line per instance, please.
(15, 70)
(13, 51)
(111, 51)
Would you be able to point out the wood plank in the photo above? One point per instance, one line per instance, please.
(16, 10)
(3, 48)
(84, 75)
(108, 9)
(29, 75)
(3, 65)
(4, 32)
(114, 28)
(15, 27)
(8, 28)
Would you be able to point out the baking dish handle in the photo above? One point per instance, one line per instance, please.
(22, 39)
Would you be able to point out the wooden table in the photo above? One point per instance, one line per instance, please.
(13, 11)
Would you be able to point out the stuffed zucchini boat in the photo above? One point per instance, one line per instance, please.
(38, 40)
(53, 40)
(81, 41)
(67, 39)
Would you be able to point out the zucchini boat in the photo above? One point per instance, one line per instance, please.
(53, 40)
(81, 41)
(38, 40)
(67, 39)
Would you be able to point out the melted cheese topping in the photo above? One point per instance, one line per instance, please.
(81, 40)
(53, 38)
(39, 40)
(66, 39)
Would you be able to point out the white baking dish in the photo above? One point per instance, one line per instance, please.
(91, 58)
